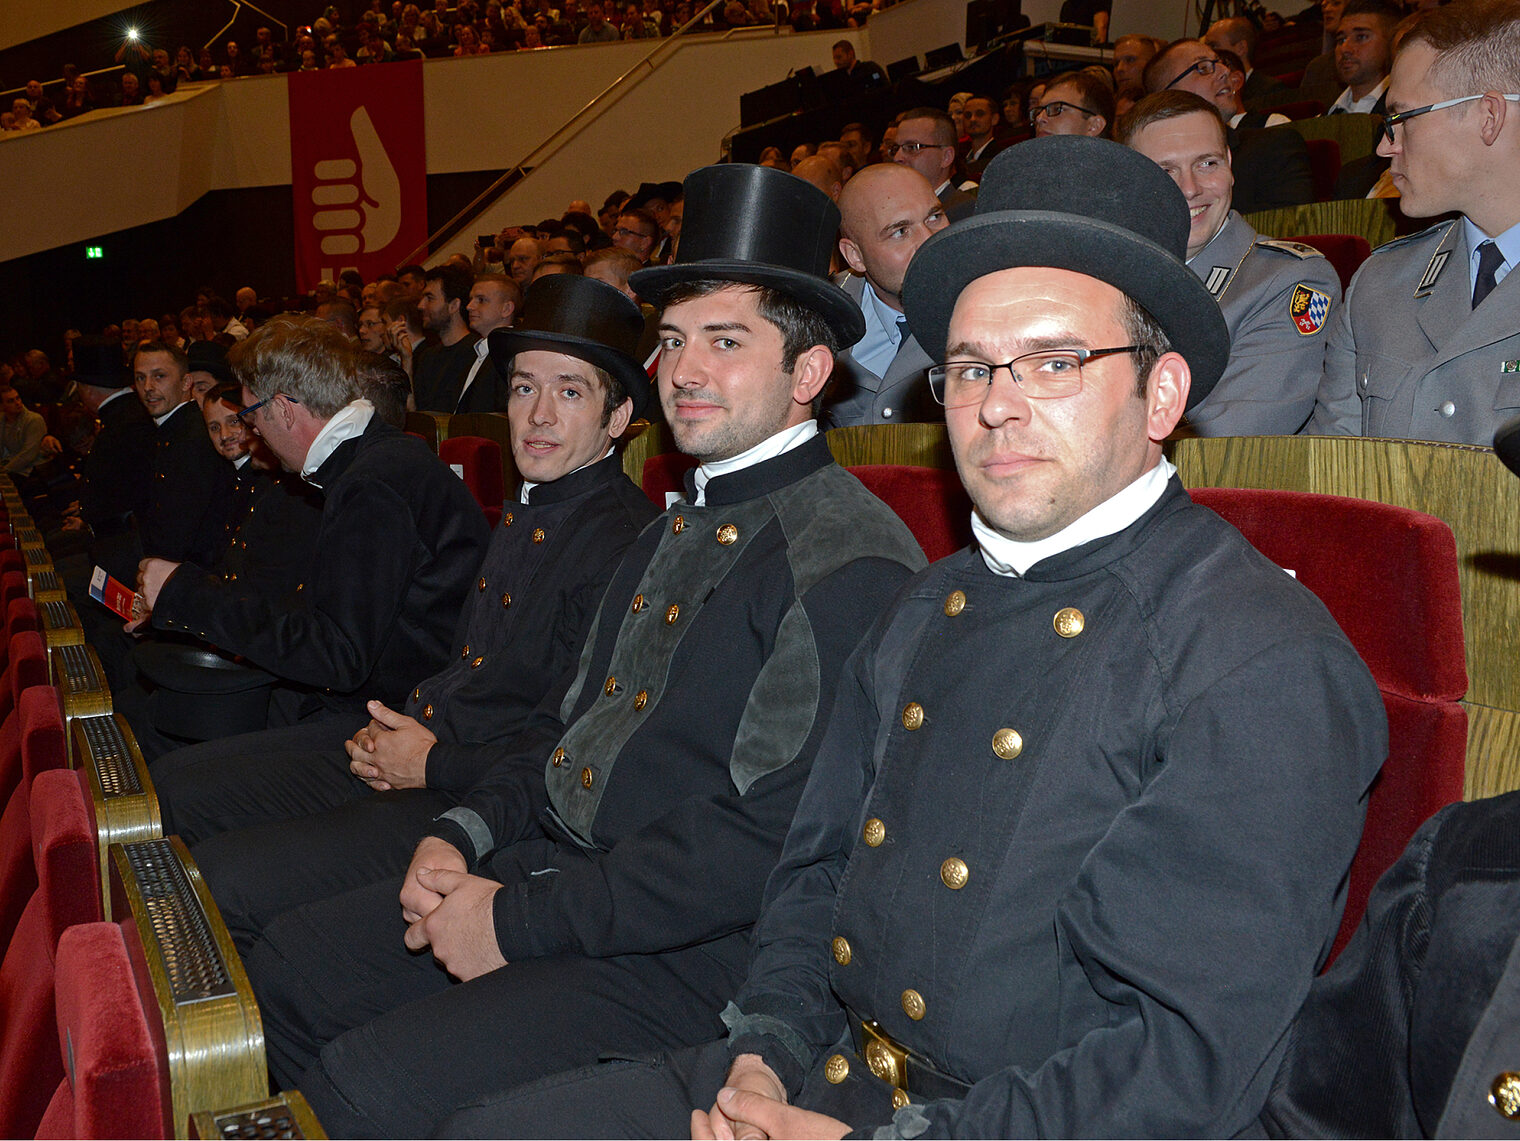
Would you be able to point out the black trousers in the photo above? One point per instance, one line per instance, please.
(257, 874)
(256, 778)
(384, 1043)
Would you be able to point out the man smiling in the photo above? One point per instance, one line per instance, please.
(1276, 296)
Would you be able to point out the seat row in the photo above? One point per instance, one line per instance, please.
(124, 1010)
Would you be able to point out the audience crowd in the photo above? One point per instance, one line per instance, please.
(513, 800)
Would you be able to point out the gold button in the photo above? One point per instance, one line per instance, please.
(1069, 621)
(507, 519)
(559, 756)
(874, 833)
(913, 1004)
(506, 601)
(611, 687)
(881, 1062)
(955, 602)
(417, 693)
(954, 873)
(841, 950)
(672, 614)
(678, 526)
(1504, 1095)
(638, 603)
(476, 664)
(912, 716)
(481, 585)
(836, 1069)
(1007, 743)
(464, 653)
(728, 534)
(538, 534)
(586, 777)
(641, 699)
(899, 1099)
(427, 712)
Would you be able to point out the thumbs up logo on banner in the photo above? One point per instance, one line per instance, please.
(359, 200)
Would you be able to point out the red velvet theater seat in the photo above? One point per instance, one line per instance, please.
(931, 501)
(478, 462)
(1346, 252)
(1389, 576)
(116, 1087)
(68, 867)
(666, 473)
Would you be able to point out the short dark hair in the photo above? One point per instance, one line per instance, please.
(1391, 14)
(643, 216)
(800, 325)
(1151, 77)
(1093, 93)
(944, 126)
(384, 384)
(414, 269)
(1161, 106)
(455, 281)
(162, 347)
(1144, 330)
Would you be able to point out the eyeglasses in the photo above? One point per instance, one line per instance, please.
(252, 408)
(1202, 67)
(913, 149)
(1055, 109)
(1044, 375)
(1388, 122)
(625, 232)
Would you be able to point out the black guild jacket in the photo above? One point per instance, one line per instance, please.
(191, 492)
(119, 467)
(527, 613)
(272, 534)
(396, 547)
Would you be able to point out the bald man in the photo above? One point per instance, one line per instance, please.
(823, 172)
(886, 213)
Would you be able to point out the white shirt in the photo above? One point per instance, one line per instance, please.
(482, 350)
(1362, 106)
(159, 420)
(1273, 120)
(767, 449)
(1012, 558)
(350, 421)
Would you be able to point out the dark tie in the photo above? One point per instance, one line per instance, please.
(903, 332)
(1489, 261)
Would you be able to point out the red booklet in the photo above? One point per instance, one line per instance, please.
(114, 596)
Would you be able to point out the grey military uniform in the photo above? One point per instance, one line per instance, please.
(1409, 358)
(856, 395)
(1277, 298)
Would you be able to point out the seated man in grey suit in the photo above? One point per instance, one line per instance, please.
(887, 211)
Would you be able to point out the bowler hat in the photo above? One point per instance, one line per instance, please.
(759, 226)
(208, 356)
(647, 192)
(97, 361)
(583, 318)
(1086, 205)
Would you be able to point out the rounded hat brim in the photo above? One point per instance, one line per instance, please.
(1007, 239)
(831, 303)
(506, 343)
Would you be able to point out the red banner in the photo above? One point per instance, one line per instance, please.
(358, 169)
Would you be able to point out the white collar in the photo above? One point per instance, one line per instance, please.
(352, 419)
(767, 449)
(242, 461)
(1013, 559)
(159, 420)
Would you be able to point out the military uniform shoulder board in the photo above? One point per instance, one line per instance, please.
(1438, 231)
(1309, 308)
(1284, 246)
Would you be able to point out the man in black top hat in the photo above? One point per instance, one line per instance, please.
(596, 887)
(1043, 881)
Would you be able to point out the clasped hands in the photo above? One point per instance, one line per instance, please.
(391, 751)
(450, 911)
(752, 1105)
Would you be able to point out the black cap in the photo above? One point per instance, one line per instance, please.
(756, 225)
(208, 356)
(97, 361)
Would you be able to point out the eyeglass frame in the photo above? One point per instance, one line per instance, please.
(1198, 66)
(1386, 123)
(937, 386)
(891, 149)
(252, 408)
(1045, 110)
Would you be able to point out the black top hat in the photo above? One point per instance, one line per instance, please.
(583, 318)
(666, 192)
(1087, 205)
(759, 226)
(97, 361)
(208, 356)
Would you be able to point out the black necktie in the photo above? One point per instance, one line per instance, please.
(903, 332)
(1489, 261)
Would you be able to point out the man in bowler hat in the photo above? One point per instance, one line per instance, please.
(1073, 844)
(594, 891)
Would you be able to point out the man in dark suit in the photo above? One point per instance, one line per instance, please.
(887, 211)
(926, 142)
(438, 370)
(493, 304)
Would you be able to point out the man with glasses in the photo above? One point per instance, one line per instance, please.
(1043, 881)
(1271, 165)
(1427, 345)
(926, 142)
(1074, 104)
